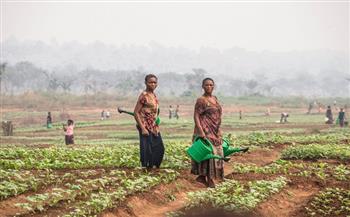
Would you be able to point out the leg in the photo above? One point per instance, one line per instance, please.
(142, 149)
(71, 139)
(211, 183)
(157, 150)
(201, 179)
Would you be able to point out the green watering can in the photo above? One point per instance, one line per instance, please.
(132, 114)
(201, 150)
(228, 150)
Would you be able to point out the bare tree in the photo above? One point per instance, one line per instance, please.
(192, 80)
(251, 85)
(53, 81)
(66, 84)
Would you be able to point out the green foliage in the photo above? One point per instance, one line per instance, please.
(330, 202)
(14, 182)
(260, 139)
(317, 151)
(104, 199)
(320, 170)
(337, 137)
(234, 196)
(89, 157)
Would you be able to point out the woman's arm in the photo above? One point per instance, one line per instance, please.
(137, 117)
(196, 119)
(198, 125)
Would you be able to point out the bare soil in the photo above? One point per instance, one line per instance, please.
(160, 200)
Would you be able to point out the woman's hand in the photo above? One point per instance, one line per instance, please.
(202, 135)
(144, 132)
(220, 133)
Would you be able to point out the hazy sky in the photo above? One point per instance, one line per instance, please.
(256, 26)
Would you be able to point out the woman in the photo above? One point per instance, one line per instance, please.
(146, 111)
(69, 134)
(329, 115)
(49, 120)
(207, 118)
(341, 117)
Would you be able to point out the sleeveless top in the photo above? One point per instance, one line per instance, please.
(149, 111)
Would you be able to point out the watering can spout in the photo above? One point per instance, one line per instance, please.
(228, 150)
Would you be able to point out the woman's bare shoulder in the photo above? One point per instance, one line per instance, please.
(201, 99)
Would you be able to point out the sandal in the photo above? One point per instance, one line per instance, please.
(211, 183)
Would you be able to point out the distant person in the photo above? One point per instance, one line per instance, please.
(49, 120)
(108, 115)
(171, 111)
(319, 104)
(68, 129)
(310, 108)
(335, 105)
(268, 112)
(146, 112)
(176, 114)
(341, 117)
(240, 114)
(284, 116)
(102, 115)
(329, 115)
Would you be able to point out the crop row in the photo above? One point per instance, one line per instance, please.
(267, 139)
(89, 157)
(105, 199)
(320, 170)
(234, 196)
(330, 202)
(15, 182)
(317, 151)
(69, 192)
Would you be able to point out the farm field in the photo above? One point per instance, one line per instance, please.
(300, 168)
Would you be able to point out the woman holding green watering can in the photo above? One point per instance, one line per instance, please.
(207, 118)
(146, 112)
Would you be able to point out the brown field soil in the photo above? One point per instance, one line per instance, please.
(172, 197)
(157, 203)
(165, 198)
(160, 200)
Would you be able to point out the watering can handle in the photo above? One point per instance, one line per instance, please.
(207, 141)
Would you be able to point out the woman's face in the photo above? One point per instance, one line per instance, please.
(208, 86)
(151, 83)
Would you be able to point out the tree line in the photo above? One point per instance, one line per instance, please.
(25, 76)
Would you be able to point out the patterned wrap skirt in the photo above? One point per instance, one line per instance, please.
(151, 150)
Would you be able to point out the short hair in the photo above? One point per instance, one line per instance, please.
(207, 79)
(149, 76)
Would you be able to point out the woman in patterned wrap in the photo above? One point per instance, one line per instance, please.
(146, 111)
(207, 118)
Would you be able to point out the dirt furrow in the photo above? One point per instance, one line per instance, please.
(287, 203)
